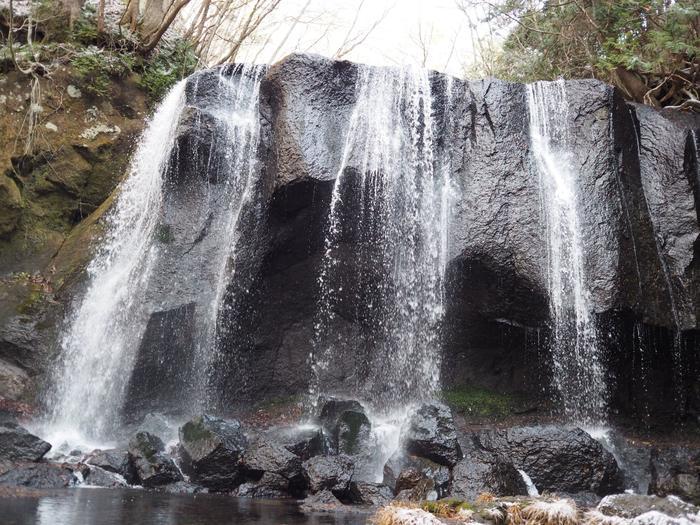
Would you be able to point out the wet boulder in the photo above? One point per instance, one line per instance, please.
(557, 459)
(18, 444)
(332, 473)
(676, 471)
(269, 485)
(211, 449)
(113, 460)
(632, 505)
(347, 425)
(399, 463)
(324, 501)
(98, 477)
(153, 467)
(368, 493)
(483, 471)
(304, 442)
(414, 485)
(431, 434)
(271, 471)
(39, 476)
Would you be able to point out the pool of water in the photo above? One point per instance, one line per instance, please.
(131, 506)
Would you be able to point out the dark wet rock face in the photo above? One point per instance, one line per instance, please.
(403, 472)
(431, 434)
(114, 460)
(483, 471)
(331, 473)
(17, 444)
(557, 459)
(153, 467)
(366, 493)
(302, 442)
(211, 449)
(347, 425)
(39, 476)
(676, 471)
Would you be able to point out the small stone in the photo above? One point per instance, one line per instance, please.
(73, 91)
(51, 126)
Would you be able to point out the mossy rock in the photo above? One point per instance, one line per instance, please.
(10, 205)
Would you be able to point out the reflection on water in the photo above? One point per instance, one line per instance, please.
(122, 507)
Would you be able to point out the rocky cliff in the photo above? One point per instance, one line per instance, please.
(638, 173)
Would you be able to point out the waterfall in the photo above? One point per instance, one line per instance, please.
(578, 370)
(137, 272)
(390, 212)
(102, 333)
(238, 109)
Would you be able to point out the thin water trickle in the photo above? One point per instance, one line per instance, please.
(239, 112)
(578, 370)
(396, 198)
(102, 334)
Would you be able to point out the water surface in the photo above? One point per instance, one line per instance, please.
(131, 506)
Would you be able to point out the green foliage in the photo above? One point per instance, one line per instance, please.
(96, 67)
(479, 402)
(172, 62)
(595, 38)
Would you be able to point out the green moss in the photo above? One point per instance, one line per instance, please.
(164, 233)
(33, 301)
(479, 402)
(195, 431)
(173, 61)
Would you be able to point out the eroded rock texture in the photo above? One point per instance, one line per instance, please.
(638, 180)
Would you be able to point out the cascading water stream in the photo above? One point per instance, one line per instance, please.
(402, 197)
(240, 102)
(578, 371)
(103, 331)
(131, 277)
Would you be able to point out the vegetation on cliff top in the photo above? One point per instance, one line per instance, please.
(650, 49)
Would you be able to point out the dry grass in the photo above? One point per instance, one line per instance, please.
(595, 517)
(402, 515)
(556, 512)
(485, 497)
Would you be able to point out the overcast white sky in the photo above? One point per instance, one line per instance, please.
(394, 41)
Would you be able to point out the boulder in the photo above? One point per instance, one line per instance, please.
(329, 472)
(183, 487)
(153, 468)
(676, 471)
(98, 477)
(366, 493)
(263, 456)
(324, 501)
(300, 441)
(557, 459)
(211, 450)
(18, 444)
(347, 425)
(431, 434)
(39, 476)
(632, 505)
(482, 471)
(399, 463)
(414, 485)
(270, 485)
(113, 460)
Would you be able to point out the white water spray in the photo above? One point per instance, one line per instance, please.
(103, 333)
(578, 371)
(403, 199)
